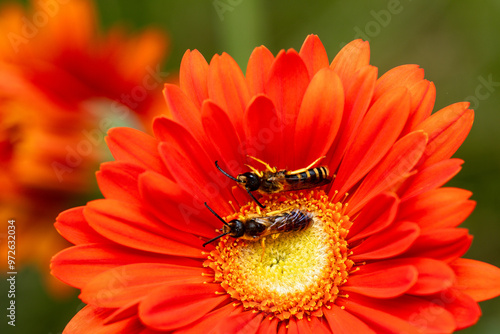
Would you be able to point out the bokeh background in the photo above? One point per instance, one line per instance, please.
(455, 41)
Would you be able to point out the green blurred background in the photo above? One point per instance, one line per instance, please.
(456, 42)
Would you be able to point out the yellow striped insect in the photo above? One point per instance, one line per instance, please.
(271, 180)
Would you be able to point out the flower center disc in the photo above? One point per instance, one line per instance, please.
(297, 272)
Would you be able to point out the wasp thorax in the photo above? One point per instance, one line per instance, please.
(253, 229)
(298, 272)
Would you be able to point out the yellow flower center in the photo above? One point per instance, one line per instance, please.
(297, 272)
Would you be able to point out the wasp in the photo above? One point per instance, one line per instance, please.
(259, 226)
(272, 180)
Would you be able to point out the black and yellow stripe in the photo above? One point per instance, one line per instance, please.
(311, 176)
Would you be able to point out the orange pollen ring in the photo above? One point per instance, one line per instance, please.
(298, 272)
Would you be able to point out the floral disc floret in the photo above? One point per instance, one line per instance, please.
(298, 272)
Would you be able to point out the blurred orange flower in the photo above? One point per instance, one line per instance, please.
(62, 86)
(383, 254)
(59, 49)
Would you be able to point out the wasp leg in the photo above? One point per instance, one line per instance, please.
(306, 168)
(269, 168)
(315, 162)
(275, 212)
(263, 244)
(257, 172)
(255, 199)
(257, 213)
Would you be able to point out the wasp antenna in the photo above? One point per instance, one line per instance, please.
(216, 215)
(223, 172)
(255, 199)
(213, 239)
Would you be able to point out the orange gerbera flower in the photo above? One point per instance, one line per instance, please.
(62, 86)
(58, 47)
(382, 255)
(44, 169)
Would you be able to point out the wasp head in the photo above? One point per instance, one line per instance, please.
(249, 180)
(234, 228)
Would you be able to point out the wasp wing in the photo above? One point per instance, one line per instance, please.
(295, 220)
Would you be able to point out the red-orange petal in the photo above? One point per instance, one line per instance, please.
(424, 93)
(264, 131)
(179, 304)
(293, 326)
(210, 320)
(190, 166)
(71, 224)
(170, 131)
(432, 177)
(151, 331)
(91, 320)
(314, 325)
(400, 76)
(184, 111)
(228, 89)
(477, 279)
(405, 314)
(444, 244)
(136, 147)
(193, 76)
(350, 58)
(388, 243)
(378, 131)
(282, 328)
(131, 226)
(343, 322)
(438, 208)
(174, 206)
(377, 215)
(314, 54)
(321, 110)
(118, 180)
(125, 311)
(377, 320)
(222, 133)
(400, 159)
(463, 308)
(258, 68)
(447, 129)
(433, 276)
(287, 83)
(382, 281)
(268, 326)
(244, 322)
(131, 283)
(358, 95)
(77, 265)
